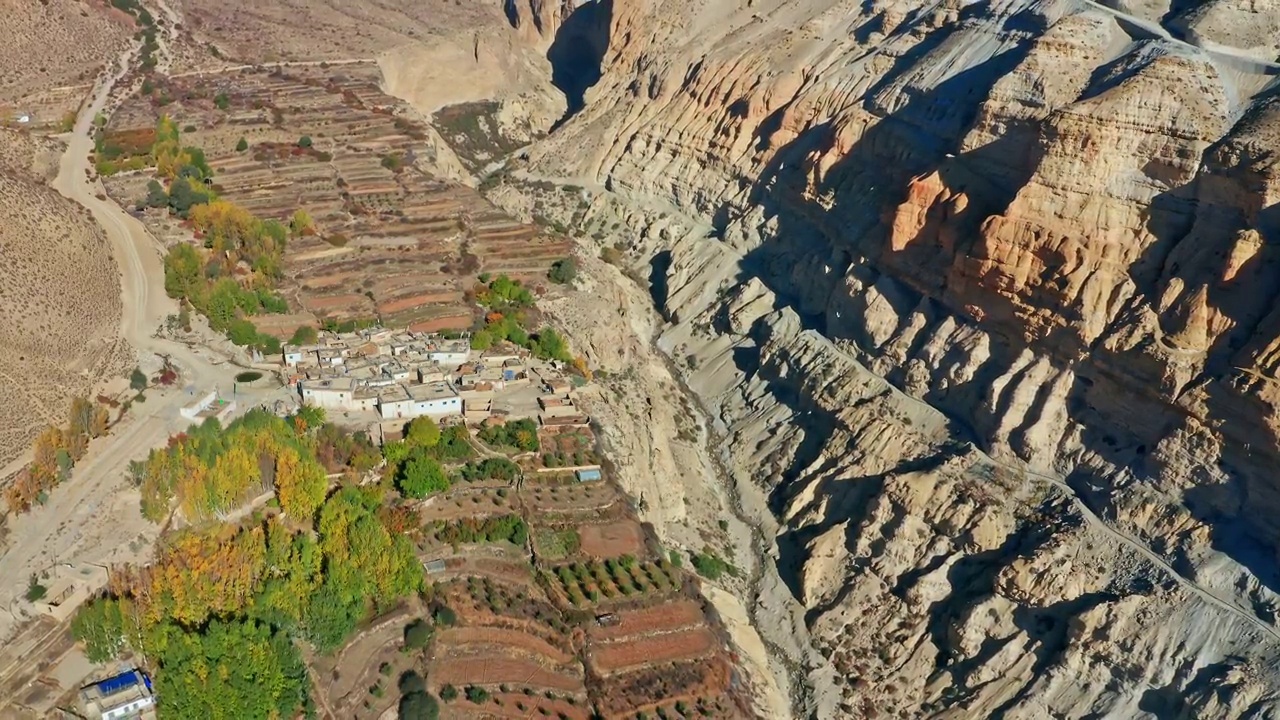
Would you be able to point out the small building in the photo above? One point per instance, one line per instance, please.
(329, 357)
(292, 355)
(126, 696)
(434, 567)
(436, 399)
(331, 393)
(450, 355)
(394, 402)
(588, 474)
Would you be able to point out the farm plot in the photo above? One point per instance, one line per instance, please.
(624, 655)
(568, 447)
(496, 669)
(615, 539)
(653, 619)
(556, 543)
(483, 602)
(568, 498)
(509, 639)
(516, 705)
(702, 682)
(351, 671)
(582, 583)
(467, 503)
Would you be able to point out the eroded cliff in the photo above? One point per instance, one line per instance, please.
(987, 314)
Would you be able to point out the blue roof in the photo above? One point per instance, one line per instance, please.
(113, 685)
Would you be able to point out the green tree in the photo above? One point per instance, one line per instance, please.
(563, 271)
(156, 195)
(100, 626)
(304, 335)
(230, 670)
(304, 141)
(481, 340)
(552, 346)
(181, 271)
(422, 432)
(240, 331)
(331, 616)
(221, 101)
(138, 379)
(418, 706)
(417, 634)
(421, 476)
(242, 145)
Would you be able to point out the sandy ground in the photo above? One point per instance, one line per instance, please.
(94, 516)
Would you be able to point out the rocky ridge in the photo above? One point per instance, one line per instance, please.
(986, 318)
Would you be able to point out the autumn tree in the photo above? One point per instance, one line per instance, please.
(300, 484)
(422, 432)
(301, 224)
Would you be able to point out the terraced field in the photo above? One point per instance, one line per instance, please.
(390, 242)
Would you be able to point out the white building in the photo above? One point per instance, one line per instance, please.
(331, 393)
(292, 355)
(125, 696)
(411, 401)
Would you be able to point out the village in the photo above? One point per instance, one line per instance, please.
(378, 380)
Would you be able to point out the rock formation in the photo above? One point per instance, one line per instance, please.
(988, 314)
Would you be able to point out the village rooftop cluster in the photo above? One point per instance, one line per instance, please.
(391, 377)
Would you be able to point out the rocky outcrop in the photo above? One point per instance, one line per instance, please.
(954, 240)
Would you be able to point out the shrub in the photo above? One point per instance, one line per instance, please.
(221, 101)
(242, 145)
(448, 693)
(412, 682)
(445, 617)
(417, 635)
(35, 591)
(711, 566)
(563, 271)
(477, 695)
(418, 706)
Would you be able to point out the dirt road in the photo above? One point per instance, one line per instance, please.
(93, 517)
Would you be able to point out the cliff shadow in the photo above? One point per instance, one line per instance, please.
(577, 53)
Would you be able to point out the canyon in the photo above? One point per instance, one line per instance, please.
(979, 299)
(953, 323)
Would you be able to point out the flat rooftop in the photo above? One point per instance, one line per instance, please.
(431, 391)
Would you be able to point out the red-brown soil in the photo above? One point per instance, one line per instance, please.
(680, 645)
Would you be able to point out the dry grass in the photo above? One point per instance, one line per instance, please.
(59, 297)
(53, 43)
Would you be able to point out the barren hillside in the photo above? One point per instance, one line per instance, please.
(1040, 229)
(59, 292)
(52, 44)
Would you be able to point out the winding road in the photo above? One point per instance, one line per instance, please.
(93, 517)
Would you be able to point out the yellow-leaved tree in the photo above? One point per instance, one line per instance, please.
(300, 485)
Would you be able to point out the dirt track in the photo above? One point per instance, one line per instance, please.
(94, 516)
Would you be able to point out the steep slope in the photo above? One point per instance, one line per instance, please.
(59, 297)
(1048, 226)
